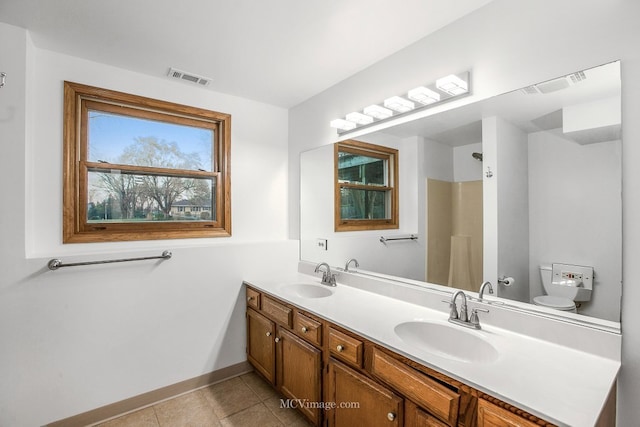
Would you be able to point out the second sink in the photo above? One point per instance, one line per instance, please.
(447, 341)
(308, 290)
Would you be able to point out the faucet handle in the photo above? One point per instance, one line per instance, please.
(453, 312)
(474, 320)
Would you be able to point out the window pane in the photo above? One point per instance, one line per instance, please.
(363, 204)
(118, 197)
(134, 141)
(359, 169)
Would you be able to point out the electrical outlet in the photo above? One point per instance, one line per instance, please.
(571, 276)
(322, 244)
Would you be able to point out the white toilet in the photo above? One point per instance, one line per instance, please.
(565, 284)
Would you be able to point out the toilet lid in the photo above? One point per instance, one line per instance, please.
(558, 303)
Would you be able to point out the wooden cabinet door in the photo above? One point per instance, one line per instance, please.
(299, 373)
(415, 416)
(490, 415)
(261, 350)
(366, 403)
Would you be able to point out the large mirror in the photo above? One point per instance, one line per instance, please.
(523, 190)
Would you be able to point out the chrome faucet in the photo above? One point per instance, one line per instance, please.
(327, 278)
(454, 309)
(346, 266)
(483, 287)
(461, 318)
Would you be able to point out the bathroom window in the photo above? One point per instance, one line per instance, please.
(139, 169)
(366, 186)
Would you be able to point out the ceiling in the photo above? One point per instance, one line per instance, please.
(280, 52)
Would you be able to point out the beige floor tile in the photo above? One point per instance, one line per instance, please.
(288, 416)
(143, 418)
(259, 386)
(189, 410)
(229, 397)
(256, 415)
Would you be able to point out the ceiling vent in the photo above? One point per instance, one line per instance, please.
(190, 77)
(555, 84)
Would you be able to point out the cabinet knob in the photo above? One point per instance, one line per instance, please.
(304, 329)
(249, 299)
(391, 416)
(340, 348)
(268, 334)
(276, 339)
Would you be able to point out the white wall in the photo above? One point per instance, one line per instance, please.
(506, 207)
(509, 45)
(466, 167)
(80, 338)
(591, 199)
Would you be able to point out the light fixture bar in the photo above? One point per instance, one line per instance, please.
(423, 95)
(452, 84)
(399, 104)
(378, 112)
(342, 124)
(359, 118)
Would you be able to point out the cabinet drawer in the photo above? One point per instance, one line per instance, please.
(345, 347)
(278, 312)
(493, 415)
(253, 298)
(307, 328)
(426, 392)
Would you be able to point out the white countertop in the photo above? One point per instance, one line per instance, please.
(562, 385)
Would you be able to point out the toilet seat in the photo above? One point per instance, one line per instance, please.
(557, 303)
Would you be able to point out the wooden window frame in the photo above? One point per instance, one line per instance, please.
(76, 228)
(371, 150)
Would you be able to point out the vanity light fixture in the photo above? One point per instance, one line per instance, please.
(342, 124)
(399, 104)
(378, 112)
(426, 96)
(359, 118)
(452, 84)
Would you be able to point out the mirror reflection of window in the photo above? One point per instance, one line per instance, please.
(366, 186)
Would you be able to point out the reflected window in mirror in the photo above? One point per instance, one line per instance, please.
(366, 186)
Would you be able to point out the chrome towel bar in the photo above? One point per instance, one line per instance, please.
(386, 239)
(56, 263)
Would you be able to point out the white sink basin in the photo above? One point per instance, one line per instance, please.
(448, 341)
(308, 290)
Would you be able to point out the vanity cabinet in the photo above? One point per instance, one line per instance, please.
(359, 400)
(283, 347)
(322, 364)
(299, 372)
(430, 396)
(491, 415)
(414, 416)
(345, 347)
(261, 349)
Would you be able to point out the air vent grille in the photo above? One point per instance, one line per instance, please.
(555, 84)
(190, 77)
(578, 77)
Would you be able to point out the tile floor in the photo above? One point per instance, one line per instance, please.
(243, 401)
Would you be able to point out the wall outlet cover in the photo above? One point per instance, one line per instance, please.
(322, 244)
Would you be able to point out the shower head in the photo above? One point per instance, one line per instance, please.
(477, 156)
